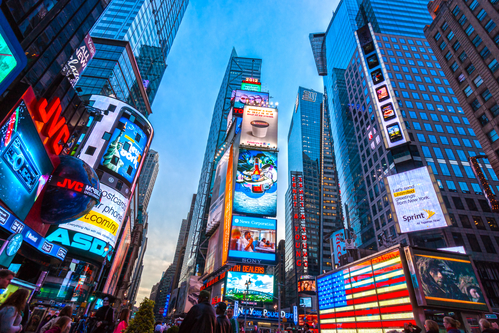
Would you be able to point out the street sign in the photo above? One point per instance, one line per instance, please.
(295, 314)
(236, 309)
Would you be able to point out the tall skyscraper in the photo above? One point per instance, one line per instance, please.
(310, 157)
(133, 39)
(464, 37)
(148, 178)
(237, 70)
(162, 292)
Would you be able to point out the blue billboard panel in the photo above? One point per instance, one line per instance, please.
(259, 289)
(252, 239)
(24, 163)
(256, 183)
(125, 149)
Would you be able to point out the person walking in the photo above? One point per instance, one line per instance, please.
(223, 323)
(5, 277)
(62, 325)
(82, 325)
(104, 317)
(201, 317)
(123, 321)
(485, 326)
(431, 326)
(306, 328)
(233, 321)
(451, 325)
(410, 328)
(66, 311)
(11, 311)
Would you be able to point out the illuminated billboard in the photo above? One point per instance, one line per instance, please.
(125, 149)
(369, 294)
(216, 213)
(416, 200)
(306, 286)
(446, 279)
(79, 60)
(13, 59)
(261, 288)
(338, 244)
(104, 221)
(253, 238)
(259, 127)
(388, 115)
(256, 183)
(240, 98)
(118, 260)
(24, 163)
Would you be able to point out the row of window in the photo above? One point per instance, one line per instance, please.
(445, 141)
(429, 128)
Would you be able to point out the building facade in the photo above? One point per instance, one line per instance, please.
(148, 178)
(237, 70)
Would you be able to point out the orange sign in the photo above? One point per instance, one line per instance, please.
(51, 124)
(228, 206)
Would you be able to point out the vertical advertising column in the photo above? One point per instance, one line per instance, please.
(299, 224)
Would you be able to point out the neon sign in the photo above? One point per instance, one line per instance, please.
(51, 124)
(299, 221)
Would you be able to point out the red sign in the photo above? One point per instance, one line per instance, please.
(299, 221)
(51, 124)
(237, 268)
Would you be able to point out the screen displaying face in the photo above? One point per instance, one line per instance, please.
(306, 285)
(394, 132)
(388, 111)
(382, 93)
(372, 61)
(377, 76)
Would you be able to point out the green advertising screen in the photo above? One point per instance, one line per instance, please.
(251, 87)
(7, 60)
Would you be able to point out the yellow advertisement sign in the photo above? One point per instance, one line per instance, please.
(228, 207)
(100, 221)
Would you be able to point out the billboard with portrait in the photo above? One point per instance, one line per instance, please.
(253, 238)
(446, 279)
(256, 183)
(259, 127)
(307, 286)
(125, 150)
(24, 163)
(104, 221)
(261, 288)
(416, 200)
(240, 98)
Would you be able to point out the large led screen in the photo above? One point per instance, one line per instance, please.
(253, 238)
(104, 221)
(256, 183)
(306, 286)
(216, 213)
(240, 98)
(448, 280)
(24, 163)
(118, 260)
(416, 202)
(261, 288)
(370, 294)
(259, 127)
(125, 149)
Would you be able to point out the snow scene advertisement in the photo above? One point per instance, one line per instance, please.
(256, 183)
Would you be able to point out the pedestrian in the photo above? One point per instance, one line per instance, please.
(223, 323)
(306, 328)
(410, 328)
(11, 311)
(123, 321)
(66, 311)
(44, 321)
(233, 321)
(485, 326)
(495, 326)
(5, 277)
(201, 317)
(104, 317)
(158, 328)
(451, 325)
(431, 326)
(82, 325)
(62, 325)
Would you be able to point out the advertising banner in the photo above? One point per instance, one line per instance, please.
(256, 183)
(240, 98)
(79, 60)
(259, 127)
(216, 213)
(261, 288)
(446, 279)
(119, 259)
(416, 201)
(104, 221)
(192, 292)
(125, 149)
(305, 286)
(24, 163)
(228, 206)
(389, 116)
(253, 240)
(338, 239)
(13, 59)
(214, 253)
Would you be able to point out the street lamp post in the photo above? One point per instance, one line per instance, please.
(247, 284)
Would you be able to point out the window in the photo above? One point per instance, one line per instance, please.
(492, 223)
(490, 26)
(495, 110)
(483, 119)
(456, 10)
(478, 81)
(450, 35)
(469, 30)
(444, 140)
(457, 171)
(464, 187)
(428, 127)
(465, 221)
(477, 41)
(475, 105)
(486, 95)
(455, 66)
(451, 186)
(463, 56)
(437, 36)
(468, 91)
(458, 239)
(487, 242)
(477, 189)
(458, 203)
(438, 152)
(475, 247)
(485, 53)
(443, 45)
(445, 169)
(473, 5)
(421, 137)
(470, 69)
(450, 129)
(416, 125)
(456, 46)
(492, 135)
(445, 26)
(462, 20)
(471, 204)
(481, 15)
(494, 65)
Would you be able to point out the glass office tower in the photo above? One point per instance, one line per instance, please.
(311, 156)
(237, 70)
(133, 39)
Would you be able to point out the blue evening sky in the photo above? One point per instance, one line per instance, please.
(273, 30)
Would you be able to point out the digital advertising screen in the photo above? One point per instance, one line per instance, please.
(377, 76)
(382, 93)
(416, 201)
(253, 238)
(306, 302)
(448, 279)
(79, 60)
(370, 294)
(256, 183)
(306, 286)
(13, 59)
(125, 149)
(388, 111)
(104, 221)
(259, 127)
(118, 260)
(261, 288)
(216, 213)
(240, 98)
(24, 163)
(394, 132)
(338, 242)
